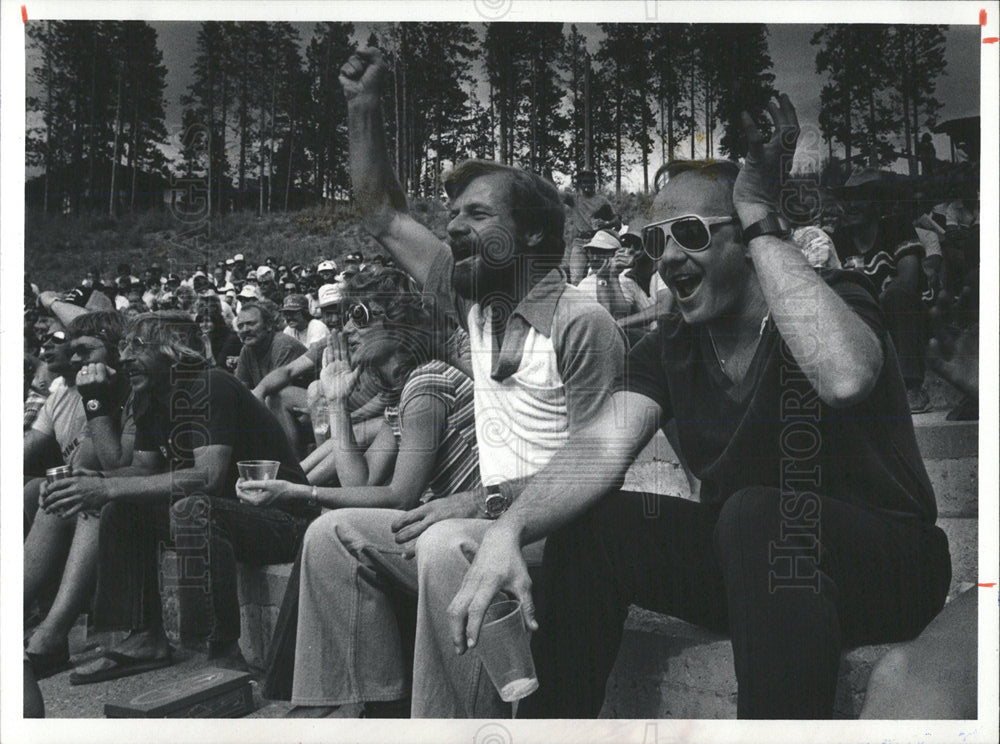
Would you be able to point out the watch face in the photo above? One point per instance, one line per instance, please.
(495, 504)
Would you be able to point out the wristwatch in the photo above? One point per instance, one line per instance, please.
(495, 501)
(770, 225)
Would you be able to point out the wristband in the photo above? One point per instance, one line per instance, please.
(96, 406)
(313, 499)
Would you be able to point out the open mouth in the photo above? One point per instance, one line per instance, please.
(685, 285)
(461, 250)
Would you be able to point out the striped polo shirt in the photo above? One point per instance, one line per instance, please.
(456, 463)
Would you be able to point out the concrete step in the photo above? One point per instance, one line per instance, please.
(667, 668)
(939, 438)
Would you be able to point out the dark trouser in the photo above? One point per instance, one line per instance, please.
(746, 568)
(210, 535)
(907, 322)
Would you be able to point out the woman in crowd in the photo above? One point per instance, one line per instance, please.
(426, 442)
(221, 343)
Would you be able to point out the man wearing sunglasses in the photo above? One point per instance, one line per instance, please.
(814, 531)
(543, 358)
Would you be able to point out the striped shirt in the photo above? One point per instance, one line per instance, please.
(456, 463)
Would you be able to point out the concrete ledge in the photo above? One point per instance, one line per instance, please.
(956, 485)
(260, 590)
(667, 668)
(939, 438)
(963, 544)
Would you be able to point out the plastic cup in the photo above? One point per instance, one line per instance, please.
(258, 469)
(505, 650)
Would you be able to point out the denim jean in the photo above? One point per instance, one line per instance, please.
(209, 535)
(348, 647)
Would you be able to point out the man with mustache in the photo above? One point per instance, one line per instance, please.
(814, 530)
(543, 358)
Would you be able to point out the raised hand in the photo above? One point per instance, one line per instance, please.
(94, 380)
(337, 378)
(758, 187)
(361, 75)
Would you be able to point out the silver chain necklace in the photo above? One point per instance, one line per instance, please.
(760, 333)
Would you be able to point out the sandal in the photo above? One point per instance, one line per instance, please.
(114, 665)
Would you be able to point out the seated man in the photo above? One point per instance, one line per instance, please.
(886, 249)
(543, 357)
(815, 529)
(193, 424)
(302, 326)
(606, 281)
(61, 548)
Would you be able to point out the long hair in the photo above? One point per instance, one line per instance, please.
(173, 333)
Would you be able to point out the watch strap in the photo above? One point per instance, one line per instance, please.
(769, 225)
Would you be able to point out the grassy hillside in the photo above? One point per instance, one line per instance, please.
(59, 250)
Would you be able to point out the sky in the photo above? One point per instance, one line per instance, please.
(792, 55)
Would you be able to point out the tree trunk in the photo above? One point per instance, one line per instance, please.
(223, 158)
(693, 105)
(48, 115)
(133, 155)
(118, 137)
(618, 131)
(872, 139)
(91, 136)
(270, 140)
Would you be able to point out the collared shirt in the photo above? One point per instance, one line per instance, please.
(561, 356)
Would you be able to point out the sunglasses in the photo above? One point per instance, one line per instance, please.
(362, 316)
(691, 232)
(135, 342)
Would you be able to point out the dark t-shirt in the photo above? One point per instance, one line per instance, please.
(894, 240)
(227, 355)
(774, 428)
(212, 407)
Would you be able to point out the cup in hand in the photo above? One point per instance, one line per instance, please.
(258, 469)
(505, 651)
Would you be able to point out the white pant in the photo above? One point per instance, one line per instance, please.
(348, 645)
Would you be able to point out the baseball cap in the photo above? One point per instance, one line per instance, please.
(604, 241)
(249, 291)
(263, 271)
(229, 262)
(326, 266)
(295, 303)
(330, 294)
(238, 257)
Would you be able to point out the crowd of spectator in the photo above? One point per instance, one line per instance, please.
(413, 413)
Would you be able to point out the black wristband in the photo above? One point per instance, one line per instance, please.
(96, 406)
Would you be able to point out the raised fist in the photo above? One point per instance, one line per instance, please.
(361, 75)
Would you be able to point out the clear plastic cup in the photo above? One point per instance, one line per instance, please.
(258, 469)
(505, 650)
